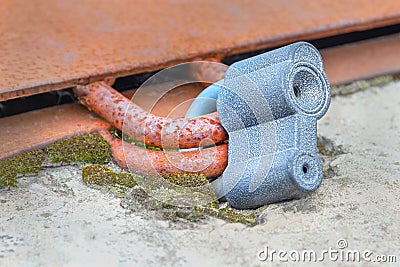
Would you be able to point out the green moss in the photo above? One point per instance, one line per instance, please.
(100, 175)
(8, 179)
(187, 179)
(29, 162)
(229, 214)
(247, 217)
(118, 134)
(126, 179)
(362, 85)
(327, 148)
(232, 216)
(90, 148)
(137, 198)
(97, 174)
(87, 148)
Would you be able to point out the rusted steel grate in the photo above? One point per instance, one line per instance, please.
(49, 45)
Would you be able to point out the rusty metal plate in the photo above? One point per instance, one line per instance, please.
(48, 45)
(37, 129)
(362, 60)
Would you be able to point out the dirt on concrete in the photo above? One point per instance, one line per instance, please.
(54, 219)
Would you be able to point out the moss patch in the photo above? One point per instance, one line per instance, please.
(29, 162)
(187, 179)
(139, 200)
(100, 175)
(225, 212)
(327, 148)
(362, 85)
(118, 134)
(328, 151)
(231, 215)
(87, 148)
(135, 198)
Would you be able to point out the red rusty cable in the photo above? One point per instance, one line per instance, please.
(143, 161)
(146, 127)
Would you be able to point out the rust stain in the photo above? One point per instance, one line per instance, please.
(49, 45)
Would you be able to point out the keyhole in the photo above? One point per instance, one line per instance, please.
(296, 90)
(305, 168)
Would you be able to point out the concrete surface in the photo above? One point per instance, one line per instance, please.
(53, 219)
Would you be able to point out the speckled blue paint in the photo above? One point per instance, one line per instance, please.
(269, 105)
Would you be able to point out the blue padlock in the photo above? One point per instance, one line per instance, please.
(269, 105)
